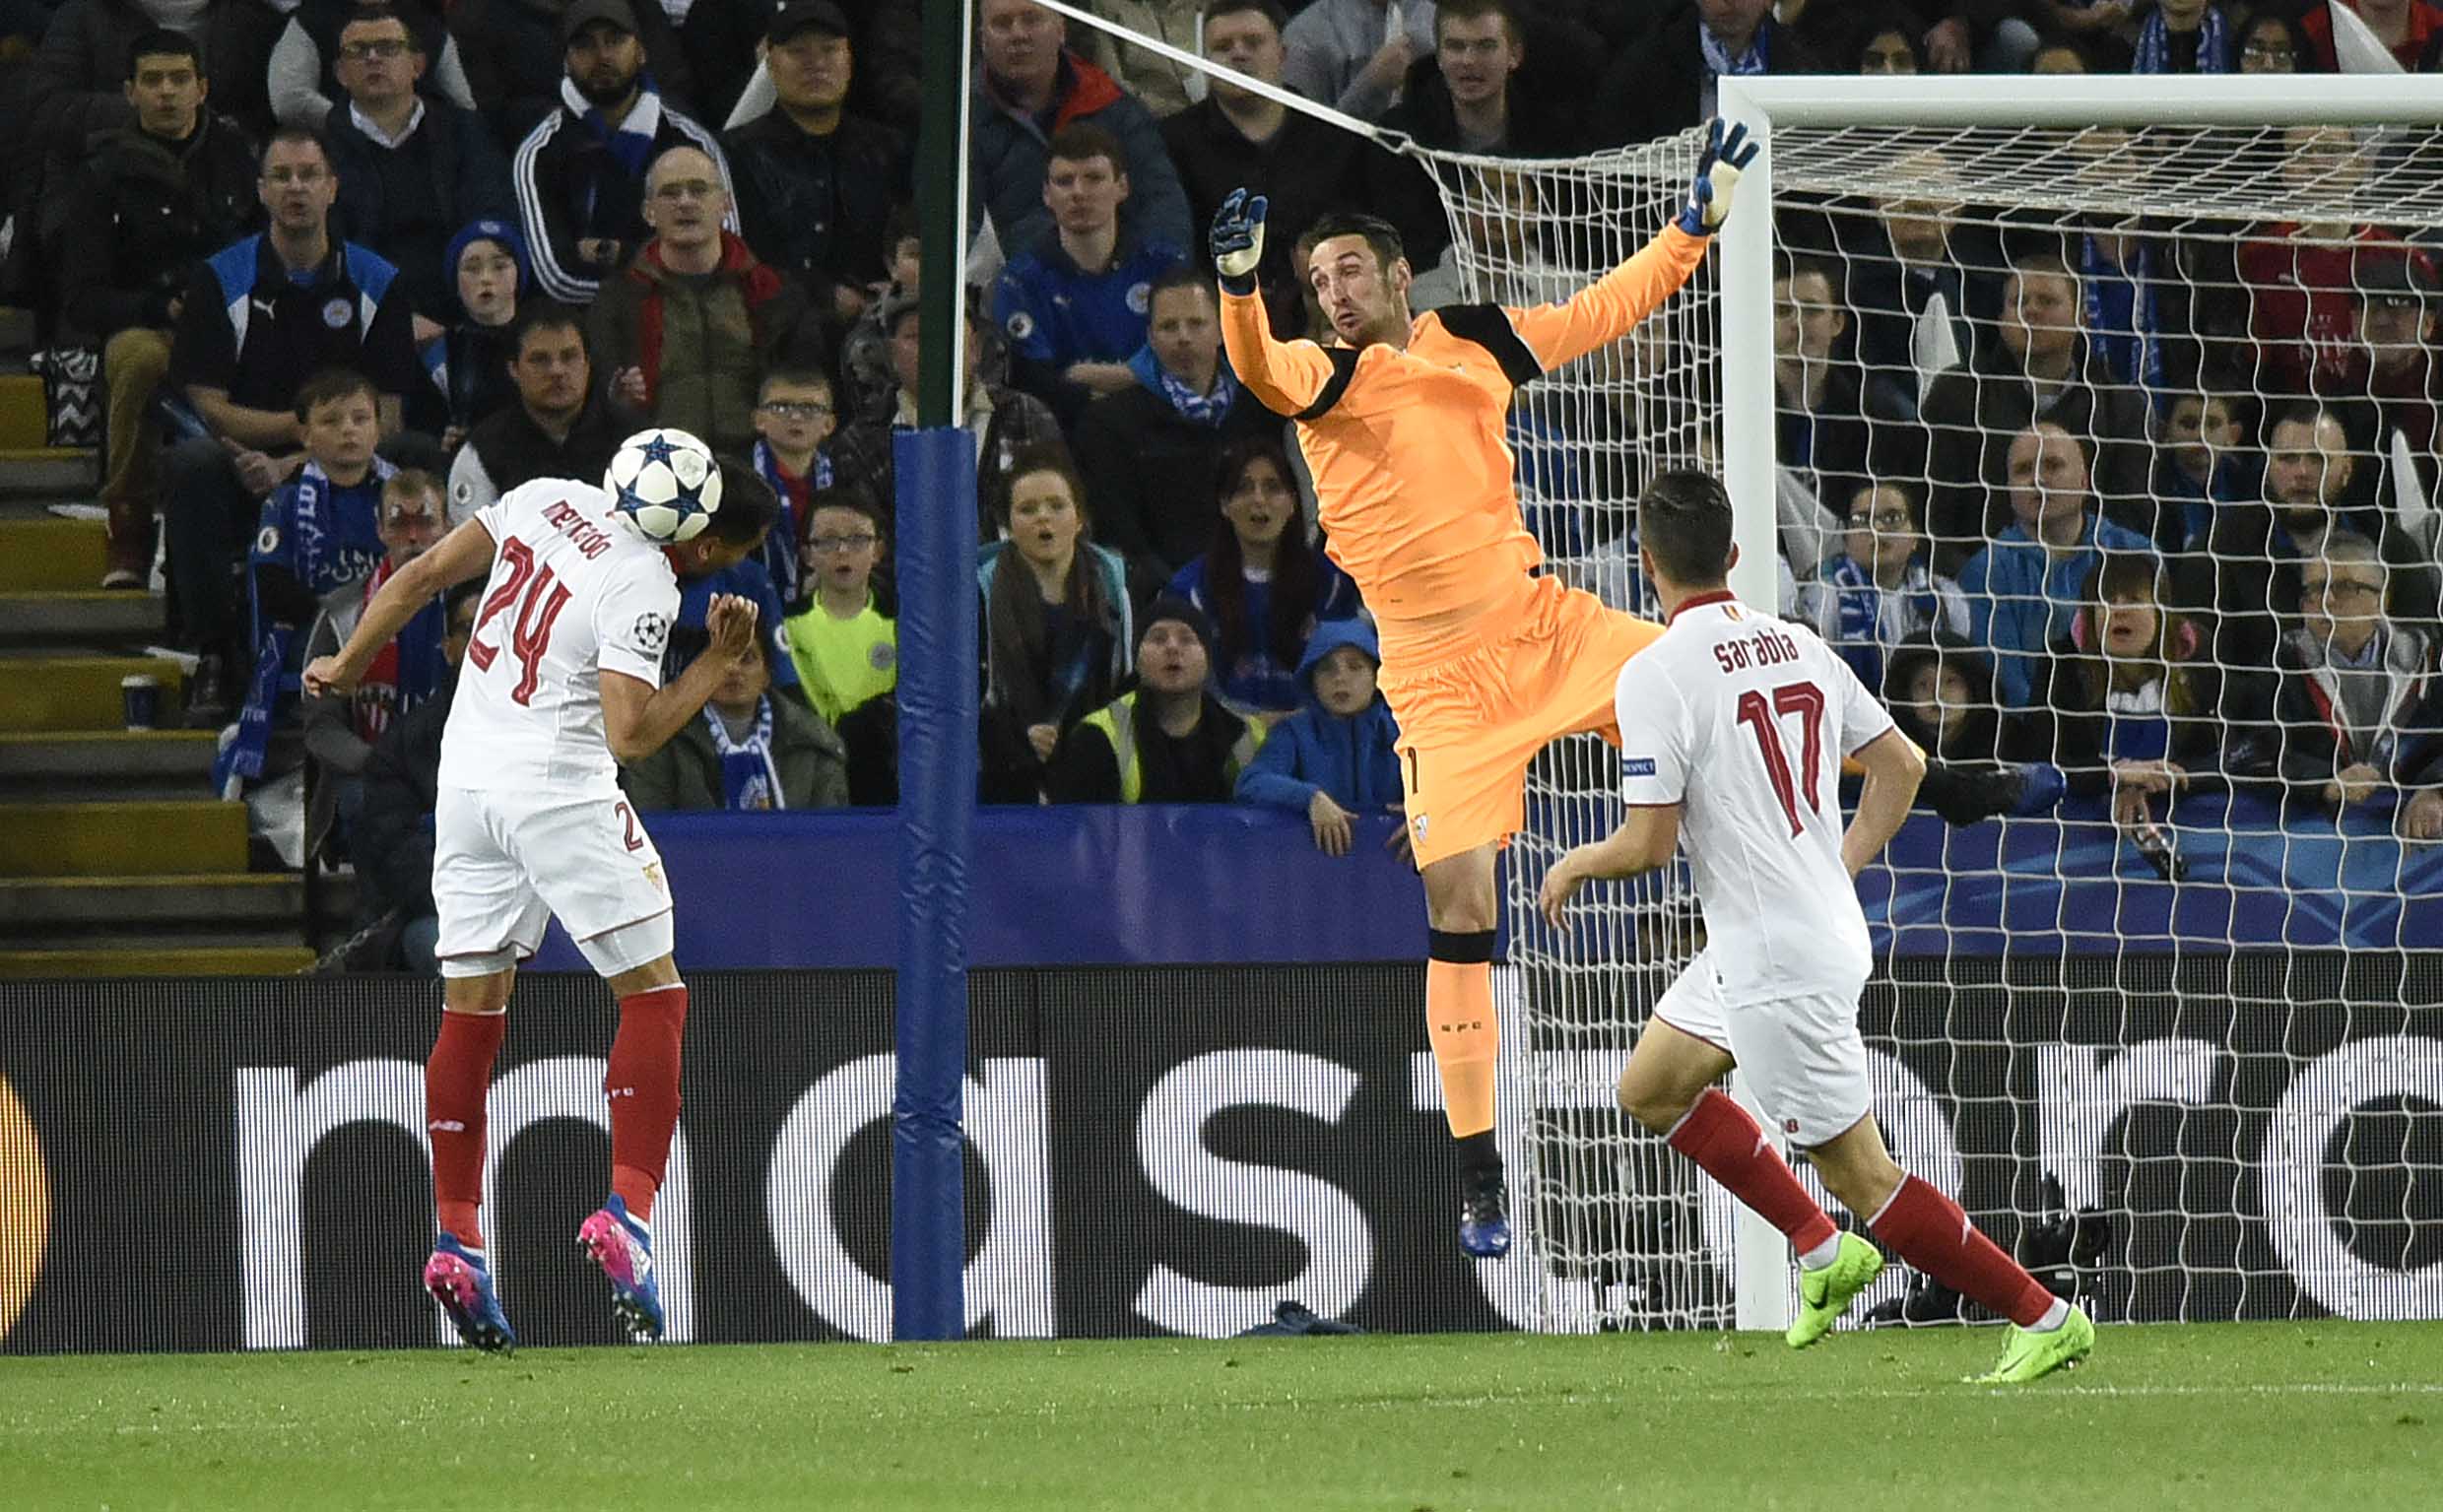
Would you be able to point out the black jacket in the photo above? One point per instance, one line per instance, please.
(513, 59)
(394, 832)
(514, 450)
(1654, 87)
(817, 207)
(406, 202)
(570, 187)
(1150, 475)
(73, 86)
(1305, 169)
(140, 213)
(1402, 190)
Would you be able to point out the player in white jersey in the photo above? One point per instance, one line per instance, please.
(563, 680)
(1734, 726)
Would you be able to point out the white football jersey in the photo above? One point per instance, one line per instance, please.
(572, 594)
(1743, 719)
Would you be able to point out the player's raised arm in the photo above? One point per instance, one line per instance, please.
(1893, 767)
(1606, 309)
(462, 554)
(1287, 377)
(638, 719)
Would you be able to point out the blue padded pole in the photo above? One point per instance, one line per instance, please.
(937, 819)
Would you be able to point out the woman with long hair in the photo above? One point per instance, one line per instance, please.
(1262, 584)
(2122, 706)
(1057, 636)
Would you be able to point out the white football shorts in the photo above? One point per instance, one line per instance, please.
(504, 863)
(1801, 1056)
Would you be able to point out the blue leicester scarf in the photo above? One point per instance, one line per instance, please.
(326, 537)
(2140, 731)
(1207, 410)
(781, 557)
(749, 779)
(2214, 44)
(1757, 59)
(1862, 603)
(2122, 323)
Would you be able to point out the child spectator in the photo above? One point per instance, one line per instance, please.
(341, 731)
(746, 751)
(1169, 740)
(318, 541)
(794, 415)
(2023, 589)
(2201, 463)
(1262, 584)
(2122, 703)
(1941, 693)
(846, 649)
(2353, 684)
(1057, 633)
(487, 263)
(1336, 757)
(1880, 591)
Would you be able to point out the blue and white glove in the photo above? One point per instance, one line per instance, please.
(1717, 174)
(1238, 240)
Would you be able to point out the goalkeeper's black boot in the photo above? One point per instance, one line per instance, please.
(1484, 1206)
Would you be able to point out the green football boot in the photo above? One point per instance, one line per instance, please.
(2028, 1355)
(1824, 1295)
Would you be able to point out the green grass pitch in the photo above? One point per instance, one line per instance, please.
(2224, 1417)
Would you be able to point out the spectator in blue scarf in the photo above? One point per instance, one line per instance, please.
(1149, 452)
(2186, 36)
(748, 751)
(1337, 758)
(1262, 584)
(1880, 591)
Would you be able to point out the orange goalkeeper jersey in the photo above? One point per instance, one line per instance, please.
(1412, 478)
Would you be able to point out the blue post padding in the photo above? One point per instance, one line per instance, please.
(938, 663)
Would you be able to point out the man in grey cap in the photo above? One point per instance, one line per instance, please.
(581, 175)
(817, 184)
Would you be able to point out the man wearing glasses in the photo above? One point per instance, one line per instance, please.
(2357, 691)
(690, 327)
(413, 167)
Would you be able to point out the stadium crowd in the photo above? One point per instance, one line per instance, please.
(2096, 512)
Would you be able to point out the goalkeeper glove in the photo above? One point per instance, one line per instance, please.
(1717, 174)
(1238, 240)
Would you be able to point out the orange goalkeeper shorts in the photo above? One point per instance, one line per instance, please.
(1470, 723)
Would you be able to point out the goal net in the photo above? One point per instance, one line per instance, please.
(2103, 443)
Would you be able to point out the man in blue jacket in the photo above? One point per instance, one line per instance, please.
(1338, 757)
(1074, 305)
(2025, 587)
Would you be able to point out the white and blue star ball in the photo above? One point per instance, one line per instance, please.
(664, 485)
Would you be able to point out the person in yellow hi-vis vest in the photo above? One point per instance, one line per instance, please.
(1169, 740)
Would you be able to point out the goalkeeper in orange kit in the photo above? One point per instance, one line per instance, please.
(1484, 662)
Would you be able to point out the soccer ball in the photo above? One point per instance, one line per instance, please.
(664, 485)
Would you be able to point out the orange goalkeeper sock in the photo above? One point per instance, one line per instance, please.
(1461, 1022)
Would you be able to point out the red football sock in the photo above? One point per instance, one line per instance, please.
(643, 1084)
(456, 1076)
(1717, 1134)
(1931, 1232)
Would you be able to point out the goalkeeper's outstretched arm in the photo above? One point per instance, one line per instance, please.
(1287, 377)
(1609, 308)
